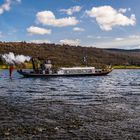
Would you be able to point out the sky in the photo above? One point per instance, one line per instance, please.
(91, 23)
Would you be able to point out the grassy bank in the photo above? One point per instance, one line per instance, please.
(3, 67)
(25, 66)
(126, 67)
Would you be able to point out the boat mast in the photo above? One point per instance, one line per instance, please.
(85, 58)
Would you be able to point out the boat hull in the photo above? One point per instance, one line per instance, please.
(28, 74)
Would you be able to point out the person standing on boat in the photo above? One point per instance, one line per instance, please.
(48, 66)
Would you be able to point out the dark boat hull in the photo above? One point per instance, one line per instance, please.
(28, 74)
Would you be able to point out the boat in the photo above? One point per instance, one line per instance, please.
(31, 74)
(46, 70)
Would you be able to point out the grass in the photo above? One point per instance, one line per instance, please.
(126, 67)
(25, 66)
(3, 67)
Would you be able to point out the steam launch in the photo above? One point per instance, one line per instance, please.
(46, 69)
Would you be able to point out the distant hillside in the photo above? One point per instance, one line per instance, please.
(65, 55)
(121, 50)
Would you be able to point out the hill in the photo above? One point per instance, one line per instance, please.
(65, 55)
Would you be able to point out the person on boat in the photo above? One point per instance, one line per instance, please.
(35, 63)
(42, 68)
(48, 66)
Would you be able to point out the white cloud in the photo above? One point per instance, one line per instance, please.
(107, 17)
(36, 30)
(77, 29)
(6, 5)
(119, 39)
(124, 43)
(122, 10)
(71, 10)
(75, 42)
(39, 41)
(134, 37)
(48, 18)
(98, 37)
(129, 9)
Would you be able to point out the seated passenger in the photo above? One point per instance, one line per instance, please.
(42, 67)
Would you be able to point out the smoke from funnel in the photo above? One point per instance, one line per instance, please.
(15, 59)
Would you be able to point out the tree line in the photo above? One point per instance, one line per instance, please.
(66, 55)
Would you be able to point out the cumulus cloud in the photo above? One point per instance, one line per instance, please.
(77, 29)
(7, 5)
(38, 31)
(75, 42)
(108, 17)
(71, 10)
(48, 18)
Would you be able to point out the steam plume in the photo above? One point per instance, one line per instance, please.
(11, 58)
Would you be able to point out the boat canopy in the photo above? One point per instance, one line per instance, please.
(78, 68)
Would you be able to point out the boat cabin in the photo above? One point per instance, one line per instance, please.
(77, 70)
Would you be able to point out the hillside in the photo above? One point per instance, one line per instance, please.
(65, 55)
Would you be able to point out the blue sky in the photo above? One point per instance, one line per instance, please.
(97, 23)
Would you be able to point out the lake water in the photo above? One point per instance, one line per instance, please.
(106, 107)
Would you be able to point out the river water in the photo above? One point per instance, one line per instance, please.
(106, 107)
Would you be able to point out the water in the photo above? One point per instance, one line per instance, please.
(88, 90)
(102, 107)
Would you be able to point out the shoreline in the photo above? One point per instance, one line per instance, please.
(126, 67)
(28, 66)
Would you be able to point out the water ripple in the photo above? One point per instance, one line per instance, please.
(119, 84)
